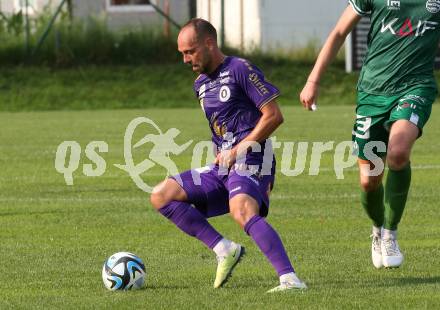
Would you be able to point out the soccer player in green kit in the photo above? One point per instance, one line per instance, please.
(395, 92)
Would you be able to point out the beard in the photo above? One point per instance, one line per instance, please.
(205, 65)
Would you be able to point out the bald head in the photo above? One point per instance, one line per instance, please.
(197, 41)
(202, 29)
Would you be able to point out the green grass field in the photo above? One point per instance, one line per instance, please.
(156, 85)
(55, 238)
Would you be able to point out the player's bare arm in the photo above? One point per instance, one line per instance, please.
(346, 23)
(270, 120)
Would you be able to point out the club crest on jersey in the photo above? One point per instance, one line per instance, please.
(433, 6)
(224, 93)
(393, 4)
(220, 130)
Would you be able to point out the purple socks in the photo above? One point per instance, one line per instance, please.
(192, 222)
(269, 243)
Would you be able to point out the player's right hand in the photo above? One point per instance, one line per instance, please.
(226, 158)
(309, 94)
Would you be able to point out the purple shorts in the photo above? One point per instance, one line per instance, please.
(210, 191)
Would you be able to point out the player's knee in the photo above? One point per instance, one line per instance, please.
(239, 215)
(397, 158)
(165, 192)
(242, 209)
(159, 196)
(155, 200)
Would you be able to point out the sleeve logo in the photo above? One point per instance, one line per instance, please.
(393, 4)
(433, 6)
(255, 80)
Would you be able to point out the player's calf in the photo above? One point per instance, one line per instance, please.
(269, 242)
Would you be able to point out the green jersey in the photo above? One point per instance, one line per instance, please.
(402, 45)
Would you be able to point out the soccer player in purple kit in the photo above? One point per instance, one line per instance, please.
(241, 110)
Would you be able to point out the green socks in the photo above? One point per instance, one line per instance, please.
(396, 192)
(373, 205)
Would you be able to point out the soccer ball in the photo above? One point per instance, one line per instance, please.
(123, 271)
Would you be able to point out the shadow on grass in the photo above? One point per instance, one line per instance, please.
(404, 281)
(382, 281)
(30, 213)
(84, 189)
(168, 287)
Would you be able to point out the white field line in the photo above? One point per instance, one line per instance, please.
(415, 167)
(291, 197)
(79, 175)
(73, 199)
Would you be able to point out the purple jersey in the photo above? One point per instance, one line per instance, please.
(232, 97)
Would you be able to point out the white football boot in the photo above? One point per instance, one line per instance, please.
(227, 263)
(289, 282)
(376, 249)
(391, 255)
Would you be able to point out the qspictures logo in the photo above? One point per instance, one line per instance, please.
(159, 149)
